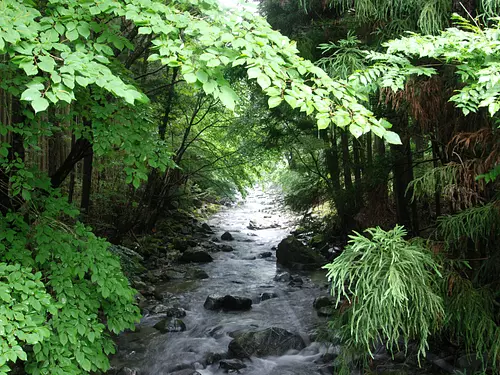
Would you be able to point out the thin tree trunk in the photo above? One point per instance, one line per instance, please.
(346, 162)
(357, 174)
(369, 149)
(87, 181)
(437, 192)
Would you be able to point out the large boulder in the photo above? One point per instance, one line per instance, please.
(195, 256)
(228, 303)
(294, 254)
(264, 343)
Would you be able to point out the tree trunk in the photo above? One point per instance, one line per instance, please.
(357, 174)
(369, 149)
(87, 181)
(465, 8)
(346, 160)
(437, 192)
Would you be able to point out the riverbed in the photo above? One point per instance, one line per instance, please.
(257, 224)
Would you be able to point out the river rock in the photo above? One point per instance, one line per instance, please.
(226, 236)
(272, 341)
(323, 301)
(283, 277)
(231, 365)
(211, 358)
(181, 245)
(296, 281)
(227, 303)
(206, 228)
(127, 371)
(196, 256)
(172, 312)
(268, 295)
(196, 274)
(187, 371)
(265, 254)
(294, 254)
(170, 325)
(225, 248)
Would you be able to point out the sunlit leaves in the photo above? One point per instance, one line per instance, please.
(228, 97)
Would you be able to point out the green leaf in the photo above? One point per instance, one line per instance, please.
(202, 76)
(145, 30)
(264, 81)
(392, 137)
(40, 104)
(209, 86)
(341, 118)
(84, 29)
(72, 34)
(190, 77)
(356, 130)
(274, 101)
(46, 63)
(253, 72)
(228, 97)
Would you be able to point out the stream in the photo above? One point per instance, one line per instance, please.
(242, 272)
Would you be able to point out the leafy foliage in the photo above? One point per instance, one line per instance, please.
(23, 310)
(478, 223)
(389, 289)
(82, 298)
(472, 49)
(471, 318)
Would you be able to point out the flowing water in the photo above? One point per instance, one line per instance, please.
(241, 273)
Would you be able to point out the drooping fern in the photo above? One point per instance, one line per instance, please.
(389, 285)
(476, 223)
(436, 178)
(470, 319)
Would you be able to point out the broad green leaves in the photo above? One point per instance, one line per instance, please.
(474, 52)
(79, 52)
(24, 306)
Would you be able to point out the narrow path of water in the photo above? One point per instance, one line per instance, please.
(242, 273)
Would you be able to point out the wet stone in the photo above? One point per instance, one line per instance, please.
(226, 236)
(231, 365)
(225, 248)
(268, 342)
(187, 371)
(283, 277)
(265, 254)
(127, 371)
(196, 274)
(228, 303)
(268, 295)
(212, 358)
(172, 312)
(206, 228)
(170, 325)
(296, 281)
(196, 256)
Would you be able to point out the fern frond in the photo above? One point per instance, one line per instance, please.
(470, 318)
(434, 179)
(476, 223)
(390, 284)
